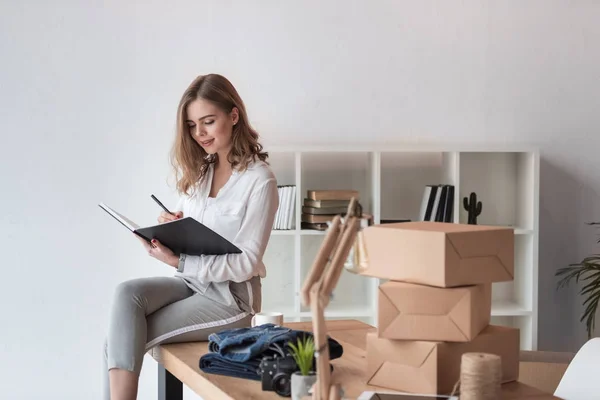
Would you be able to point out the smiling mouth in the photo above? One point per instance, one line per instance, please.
(207, 142)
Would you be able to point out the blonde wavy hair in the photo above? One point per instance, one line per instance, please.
(189, 160)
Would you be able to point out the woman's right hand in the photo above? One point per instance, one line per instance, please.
(166, 217)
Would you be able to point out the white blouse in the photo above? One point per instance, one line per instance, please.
(243, 212)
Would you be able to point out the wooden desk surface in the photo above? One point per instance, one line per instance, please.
(182, 359)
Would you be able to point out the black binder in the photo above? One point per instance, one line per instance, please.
(182, 236)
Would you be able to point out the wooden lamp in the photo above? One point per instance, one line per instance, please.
(319, 285)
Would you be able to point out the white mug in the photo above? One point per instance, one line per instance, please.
(260, 318)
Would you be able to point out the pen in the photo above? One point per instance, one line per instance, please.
(161, 204)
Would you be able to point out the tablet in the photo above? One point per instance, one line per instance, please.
(403, 396)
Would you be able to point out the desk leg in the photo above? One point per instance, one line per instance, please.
(169, 387)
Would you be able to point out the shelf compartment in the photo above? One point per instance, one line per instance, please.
(525, 326)
(312, 232)
(520, 231)
(516, 295)
(343, 312)
(284, 167)
(505, 184)
(283, 232)
(338, 171)
(352, 292)
(331, 317)
(404, 177)
(508, 308)
(279, 282)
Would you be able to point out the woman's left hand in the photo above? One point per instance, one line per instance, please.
(160, 252)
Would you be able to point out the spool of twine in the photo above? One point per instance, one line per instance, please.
(480, 376)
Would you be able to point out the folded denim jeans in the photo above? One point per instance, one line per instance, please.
(242, 344)
(214, 363)
(238, 352)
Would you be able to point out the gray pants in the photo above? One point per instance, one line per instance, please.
(147, 312)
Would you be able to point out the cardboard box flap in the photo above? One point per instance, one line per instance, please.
(402, 309)
(417, 362)
(387, 311)
(412, 311)
(414, 354)
(406, 325)
(393, 319)
(463, 313)
(460, 315)
(481, 243)
(412, 379)
(498, 242)
(408, 298)
(476, 268)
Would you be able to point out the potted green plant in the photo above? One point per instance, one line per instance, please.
(303, 352)
(588, 272)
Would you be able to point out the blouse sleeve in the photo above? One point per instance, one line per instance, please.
(251, 239)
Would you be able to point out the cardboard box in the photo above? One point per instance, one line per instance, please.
(434, 367)
(439, 254)
(417, 312)
(543, 369)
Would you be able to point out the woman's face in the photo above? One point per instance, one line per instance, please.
(210, 127)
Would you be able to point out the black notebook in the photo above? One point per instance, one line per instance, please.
(182, 236)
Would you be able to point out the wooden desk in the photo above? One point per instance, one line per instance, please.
(178, 363)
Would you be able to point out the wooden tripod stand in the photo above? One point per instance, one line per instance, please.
(319, 285)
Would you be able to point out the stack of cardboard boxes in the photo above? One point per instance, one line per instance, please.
(436, 304)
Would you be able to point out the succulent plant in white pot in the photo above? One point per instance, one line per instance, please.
(303, 352)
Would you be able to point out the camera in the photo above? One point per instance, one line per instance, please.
(276, 374)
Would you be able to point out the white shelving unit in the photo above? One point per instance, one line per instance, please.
(391, 181)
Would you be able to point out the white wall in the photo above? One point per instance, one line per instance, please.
(88, 92)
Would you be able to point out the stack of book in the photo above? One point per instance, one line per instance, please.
(436, 304)
(438, 203)
(321, 206)
(284, 217)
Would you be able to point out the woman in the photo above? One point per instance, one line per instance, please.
(227, 185)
